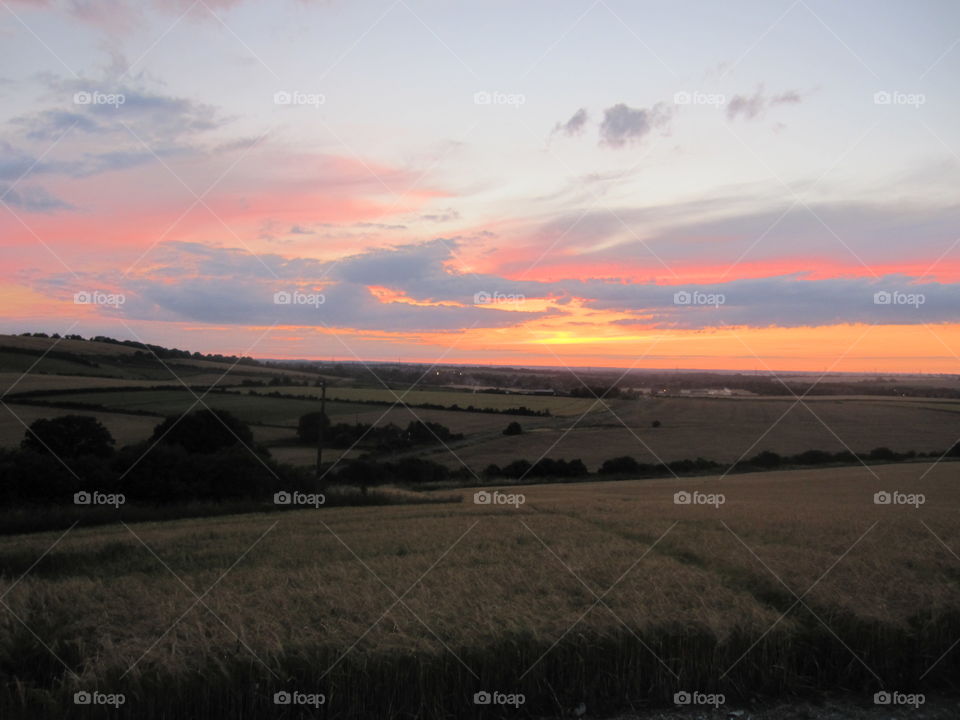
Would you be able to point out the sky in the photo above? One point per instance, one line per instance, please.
(765, 185)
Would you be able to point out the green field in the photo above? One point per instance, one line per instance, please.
(603, 593)
(259, 410)
(689, 427)
(722, 430)
(562, 406)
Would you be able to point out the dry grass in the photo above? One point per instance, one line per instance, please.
(490, 590)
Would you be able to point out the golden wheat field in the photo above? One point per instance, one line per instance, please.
(608, 594)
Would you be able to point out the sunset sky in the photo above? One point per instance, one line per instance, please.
(767, 185)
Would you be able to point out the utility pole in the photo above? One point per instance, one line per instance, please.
(320, 423)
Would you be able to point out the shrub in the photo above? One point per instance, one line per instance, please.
(513, 428)
(811, 457)
(882, 453)
(427, 432)
(766, 459)
(413, 470)
(618, 465)
(517, 469)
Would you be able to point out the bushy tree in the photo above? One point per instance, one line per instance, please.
(309, 424)
(882, 453)
(69, 436)
(203, 431)
(618, 465)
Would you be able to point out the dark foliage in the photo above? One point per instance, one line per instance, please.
(69, 436)
(203, 431)
(513, 428)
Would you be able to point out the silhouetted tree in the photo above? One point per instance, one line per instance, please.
(882, 453)
(204, 431)
(69, 436)
(309, 424)
(513, 429)
(766, 459)
(615, 466)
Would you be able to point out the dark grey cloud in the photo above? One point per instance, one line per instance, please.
(79, 136)
(49, 124)
(14, 163)
(784, 301)
(153, 116)
(225, 285)
(575, 125)
(623, 124)
(33, 199)
(201, 283)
